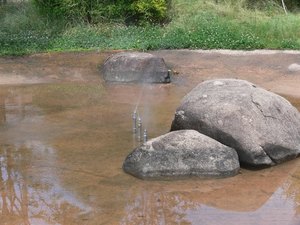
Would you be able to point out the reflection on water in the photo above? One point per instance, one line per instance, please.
(62, 148)
(30, 195)
(166, 208)
(278, 210)
(14, 191)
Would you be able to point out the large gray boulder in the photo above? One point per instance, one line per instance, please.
(263, 127)
(182, 154)
(135, 67)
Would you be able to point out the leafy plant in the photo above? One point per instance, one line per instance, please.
(96, 11)
(151, 11)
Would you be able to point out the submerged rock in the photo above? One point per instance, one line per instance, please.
(135, 67)
(263, 127)
(182, 154)
(294, 67)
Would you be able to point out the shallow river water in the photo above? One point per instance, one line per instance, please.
(62, 146)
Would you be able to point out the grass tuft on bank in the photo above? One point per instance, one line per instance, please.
(198, 24)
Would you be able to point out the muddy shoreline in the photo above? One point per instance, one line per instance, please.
(268, 69)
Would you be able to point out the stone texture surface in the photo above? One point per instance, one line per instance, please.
(263, 127)
(182, 154)
(294, 67)
(135, 67)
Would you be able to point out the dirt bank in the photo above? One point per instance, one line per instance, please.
(268, 69)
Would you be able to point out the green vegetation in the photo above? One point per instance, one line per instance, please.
(205, 24)
(96, 11)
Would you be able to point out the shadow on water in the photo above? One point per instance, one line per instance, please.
(61, 152)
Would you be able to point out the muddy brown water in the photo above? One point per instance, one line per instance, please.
(64, 134)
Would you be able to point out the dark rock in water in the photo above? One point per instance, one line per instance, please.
(182, 154)
(135, 67)
(263, 127)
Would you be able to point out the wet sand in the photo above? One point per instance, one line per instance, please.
(64, 134)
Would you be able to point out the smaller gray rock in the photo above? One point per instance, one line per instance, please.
(135, 67)
(294, 67)
(182, 154)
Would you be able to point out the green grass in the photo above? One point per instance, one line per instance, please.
(24, 31)
(196, 24)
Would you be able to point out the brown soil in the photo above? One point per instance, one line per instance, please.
(268, 69)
